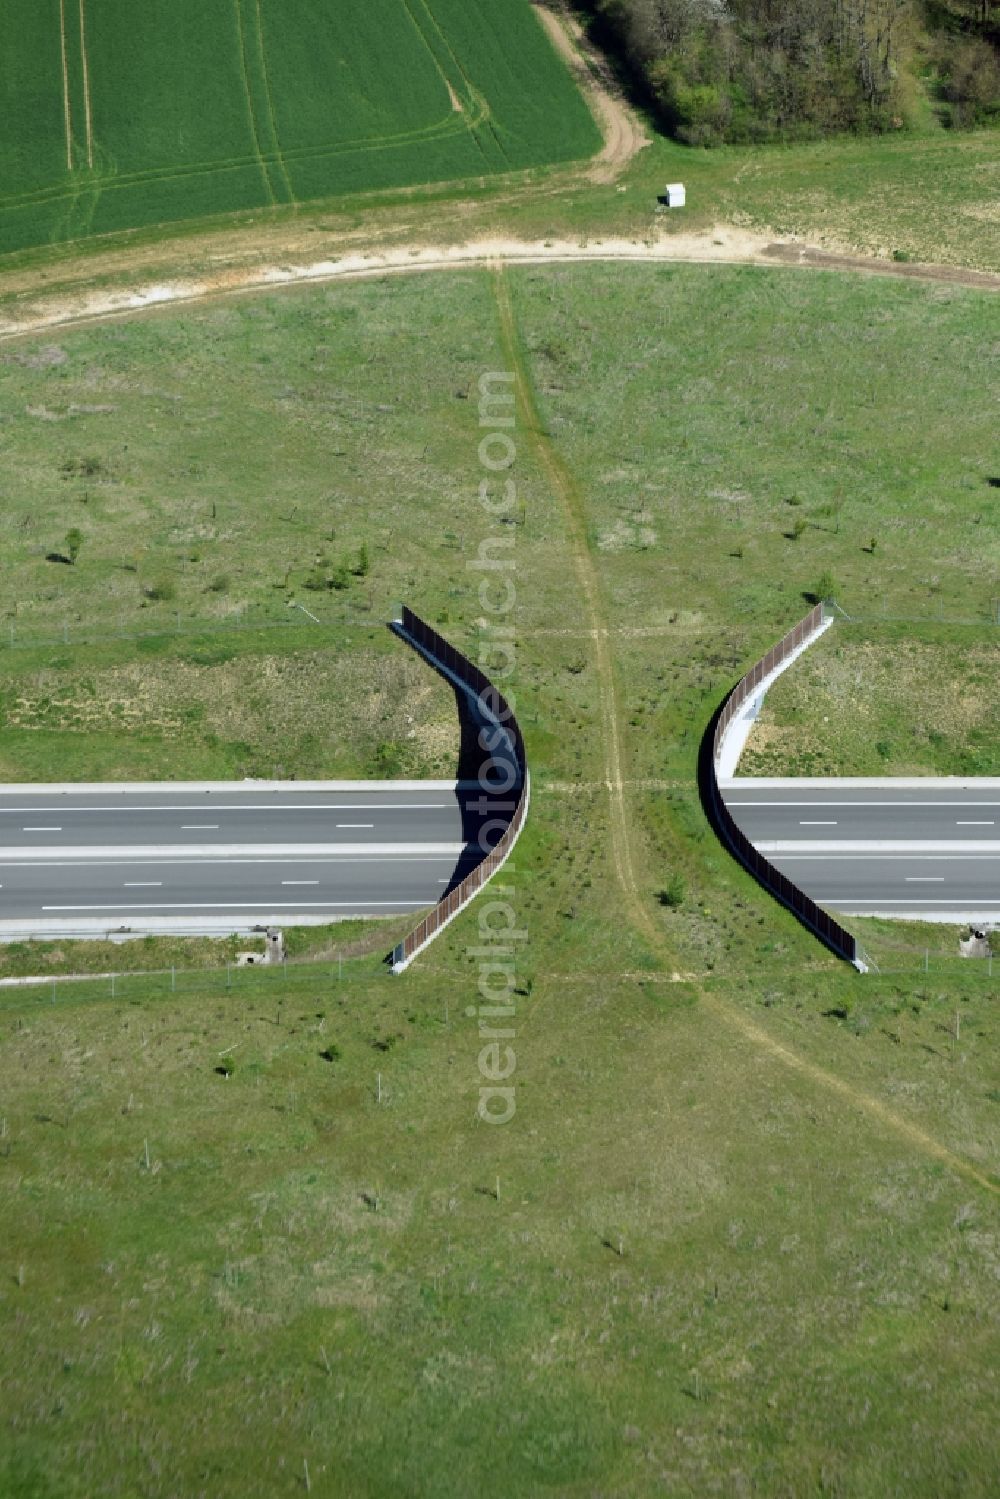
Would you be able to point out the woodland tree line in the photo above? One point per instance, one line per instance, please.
(756, 70)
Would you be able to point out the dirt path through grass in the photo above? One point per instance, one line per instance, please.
(638, 902)
(565, 488)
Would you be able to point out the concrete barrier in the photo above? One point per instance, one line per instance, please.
(507, 749)
(820, 922)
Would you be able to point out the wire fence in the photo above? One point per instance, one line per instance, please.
(877, 612)
(912, 962)
(258, 981)
(13, 636)
(307, 981)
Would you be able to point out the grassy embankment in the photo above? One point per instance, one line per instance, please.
(906, 704)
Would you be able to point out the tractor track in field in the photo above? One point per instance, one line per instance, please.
(258, 145)
(269, 101)
(87, 114)
(67, 108)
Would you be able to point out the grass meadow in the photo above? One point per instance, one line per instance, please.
(704, 1274)
(878, 671)
(741, 1234)
(119, 119)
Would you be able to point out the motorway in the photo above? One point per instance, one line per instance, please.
(228, 856)
(915, 849)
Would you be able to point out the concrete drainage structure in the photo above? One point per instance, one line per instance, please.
(503, 777)
(732, 726)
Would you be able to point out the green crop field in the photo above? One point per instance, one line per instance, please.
(118, 116)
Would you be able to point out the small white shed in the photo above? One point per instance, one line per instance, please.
(673, 195)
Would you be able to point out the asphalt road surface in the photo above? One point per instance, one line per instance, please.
(229, 857)
(889, 848)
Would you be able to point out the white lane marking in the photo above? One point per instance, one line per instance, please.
(901, 806)
(924, 879)
(355, 824)
(976, 902)
(960, 824)
(140, 884)
(300, 882)
(874, 854)
(257, 905)
(200, 863)
(191, 827)
(41, 830)
(816, 824)
(801, 845)
(274, 807)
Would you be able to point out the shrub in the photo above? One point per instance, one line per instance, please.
(674, 892)
(388, 759)
(162, 592)
(82, 468)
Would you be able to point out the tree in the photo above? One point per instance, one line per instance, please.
(363, 565)
(74, 541)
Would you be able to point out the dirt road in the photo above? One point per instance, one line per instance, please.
(624, 136)
(723, 245)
